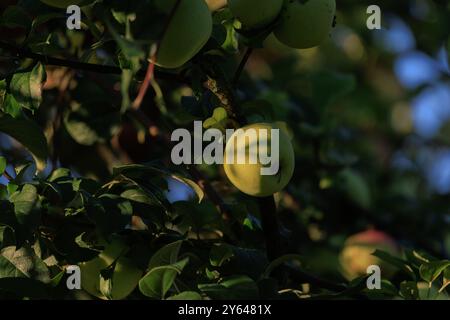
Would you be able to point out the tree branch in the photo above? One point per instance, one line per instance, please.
(153, 56)
(270, 227)
(241, 66)
(217, 84)
(7, 175)
(23, 53)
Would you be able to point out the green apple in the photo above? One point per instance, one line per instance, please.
(247, 176)
(125, 277)
(255, 13)
(306, 23)
(187, 32)
(356, 255)
(62, 4)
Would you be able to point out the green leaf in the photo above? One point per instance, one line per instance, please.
(22, 172)
(126, 80)
(387, 288)
(329, 86)
(29, 134)
(59, 173)
(6, 236)
(432, 270)
(197, 189)
(24, 202)
(44, 18)
(88, 126)
(417, 258)
(220, 254)
(106, 281)
(22, 262)
(397, 262)
(137, 195)
(355, 187)
(158, 281)
(15, 17)
(231, 43)
(12, 187)
(409, 290)
(231, 288)
(130, 48)
(3, 165)
(218, 120)
(279, 261)
(196, 217)
(26, 87)
(136, 170)
(11, 106)
(186, 295)
(167, 255)
(445, 280)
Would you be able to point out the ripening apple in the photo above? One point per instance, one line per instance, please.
(186, 34)
(247, 176)
(357, 253)
(62, 4)
(125, 277)
(305, 23)
(215, 5)
(255, 13)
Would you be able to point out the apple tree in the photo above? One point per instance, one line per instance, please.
(89, 186)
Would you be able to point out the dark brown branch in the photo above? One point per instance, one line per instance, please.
(23, 53)
(270, 227)
(217, 84)
(222, 91)
(241, 66)
(7, 175)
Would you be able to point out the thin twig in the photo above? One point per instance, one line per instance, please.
(7, 175)
(145, 84)
(153, 55)
(241, 66)
(90, 67)
(270, 227)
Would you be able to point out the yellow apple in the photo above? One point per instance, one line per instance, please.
(125, 277)
(305, 23)
(247, 176)
(215, 5)
(62, 4)
(255, 13)
(186, 34)
(357, 253)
